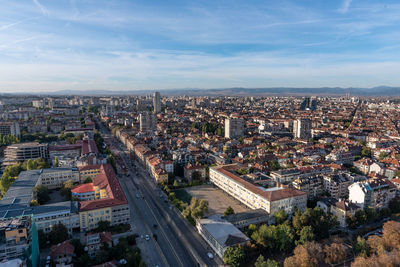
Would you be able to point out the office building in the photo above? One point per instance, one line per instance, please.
(10, 128)
(302, 128)
(18, 153)
(234, 128)
(147, 121)
(157, 102)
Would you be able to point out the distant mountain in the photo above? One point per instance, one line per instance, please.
(238, 91)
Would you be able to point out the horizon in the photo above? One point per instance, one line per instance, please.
(49, 46)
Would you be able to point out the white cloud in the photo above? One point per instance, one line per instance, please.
(44, 11)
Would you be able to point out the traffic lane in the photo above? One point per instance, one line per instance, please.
(162, 238)
(191, 235)
(165, 225)
(150, 249)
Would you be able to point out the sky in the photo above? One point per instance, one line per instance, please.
(50, 45)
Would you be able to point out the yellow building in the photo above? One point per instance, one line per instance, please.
(89, 219)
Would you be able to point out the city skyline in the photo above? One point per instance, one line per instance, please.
(118, 46)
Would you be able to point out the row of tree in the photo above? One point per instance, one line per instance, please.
(9, 139)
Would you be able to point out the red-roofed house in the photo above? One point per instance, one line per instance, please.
(62, 253)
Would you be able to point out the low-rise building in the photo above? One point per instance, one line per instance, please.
(342, 209)
(243, 219)
(191, 170)
(55, 177)
(220, 234)
(94, 241)
(312, 185)
(62, 253)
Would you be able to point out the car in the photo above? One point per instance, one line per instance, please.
(137, 196)
(155, 225)
(48, 259)
(147, 237)
(210, 255)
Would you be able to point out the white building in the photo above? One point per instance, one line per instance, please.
(271, 200)
(302, 128)
(147, 121)
(234, 128)
(375, 193)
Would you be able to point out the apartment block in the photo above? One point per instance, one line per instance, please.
(234, 128)
(10, 128)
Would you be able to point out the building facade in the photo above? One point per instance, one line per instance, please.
(234, 128)
(302, 128)
(18, 153)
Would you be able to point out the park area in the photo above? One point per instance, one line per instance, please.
(217, 199)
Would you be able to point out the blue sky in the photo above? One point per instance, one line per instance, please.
(48, 45)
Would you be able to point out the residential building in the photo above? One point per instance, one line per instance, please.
(18, 153)
(147, 121)
(234, 128)
(271, 200)
(342, 209)
(220, 234)
(10, 128)
(94, 241)
(14, 237)
(198, 170)
(302, 128)
(375, 193)
(62, 253)
(157, 102)
(312, 185)
(337, 184)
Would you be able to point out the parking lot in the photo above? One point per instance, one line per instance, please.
(218, 200)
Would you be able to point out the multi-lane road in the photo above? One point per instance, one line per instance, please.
(172, 240)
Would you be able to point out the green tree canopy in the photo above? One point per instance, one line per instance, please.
(235, 256)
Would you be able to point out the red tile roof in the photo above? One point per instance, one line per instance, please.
(83, 188)
(64, 248)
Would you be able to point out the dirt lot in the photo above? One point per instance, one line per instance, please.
(218, 200)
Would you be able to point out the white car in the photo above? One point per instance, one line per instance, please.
(210, 255)
(147, 237)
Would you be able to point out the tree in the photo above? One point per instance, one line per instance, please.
(42, 194)
(391, 234)
(361, 247)
(66, 189)
(320, 221)
(56, 162)
(335, 253)
(261, 262)
(306, 235)
(176, 184)
(376, 245)
(366, 152)
(58, 234)
(308, 255)
(103, 226)
(34, 202)
(280, 217)
(361, 217)
(88, 180)
(235, 256)
(274, 165)
(229, 211)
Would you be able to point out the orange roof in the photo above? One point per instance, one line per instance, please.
(83, 188)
